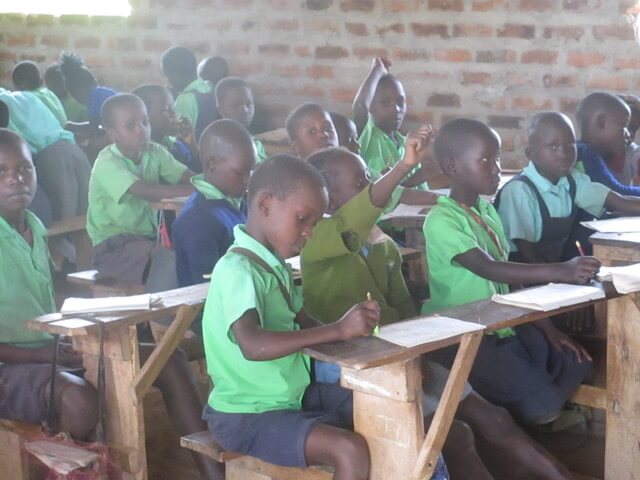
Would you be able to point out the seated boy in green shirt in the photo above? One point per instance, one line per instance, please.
(379, 108)
(347, 258)
(126, 176)
(531, 370)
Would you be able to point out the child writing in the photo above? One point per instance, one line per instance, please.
(255, 328)
(234, 100)
(203, 231)
(348, 257)
(25, 76)
(539, 208)
(531, 370)
(126, 176)
(378, 111)
(176, 136)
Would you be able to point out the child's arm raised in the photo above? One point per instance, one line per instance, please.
(364, 96)
(622, 204)
(257, 344)
(577, 270)
(415, 144)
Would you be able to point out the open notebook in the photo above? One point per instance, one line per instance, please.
(615, 225)
(550, 297)
(110, 304)
(625, 279)
(425, 329)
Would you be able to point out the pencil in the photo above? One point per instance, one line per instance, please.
(376, 329)
(580, 250)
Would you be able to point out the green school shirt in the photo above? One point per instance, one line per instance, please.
(238, 285)
(53, 103)
(112, 210)
(32, 120)
(339, 266)
(450, 231)
(211, 192)
(261, 153)
(76, 112)
(380, 152)
(186, 105)
(26, 287)
(520, 212)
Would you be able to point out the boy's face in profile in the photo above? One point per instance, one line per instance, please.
(130, 129)
(614, 133)
(552, 148)
(162, 117)
(17, 179)
(350, 178)
(314, 131)
(231, 174)
(478, 168)
(237, 104)
(287, 224)
(388, 106)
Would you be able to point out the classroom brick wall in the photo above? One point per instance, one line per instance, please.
(496, 60)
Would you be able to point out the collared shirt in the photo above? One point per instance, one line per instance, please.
(451, 231)
(32, 120)
(75, 111)
(238, 285)
(381, 152)
(26, 287)
(261, 153)
(211, 192)
(112, 209)
(340, 266)
(594, 165)
(53, 103)
(186, 105)
(520, 212)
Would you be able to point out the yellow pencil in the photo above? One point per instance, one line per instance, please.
(376, 329)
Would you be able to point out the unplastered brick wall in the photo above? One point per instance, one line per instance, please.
(496, 60)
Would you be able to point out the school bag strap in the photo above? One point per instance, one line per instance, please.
(265, 266)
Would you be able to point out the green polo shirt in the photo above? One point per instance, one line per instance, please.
(26, 287)
(75, 111)
(211, 192)
(238, 285)
(112, 209)
(339, 266)
(520, 212)
(32, 120)
(450, 231)
(380, 152)
(261, 153)
(53, 103)
(186, 105)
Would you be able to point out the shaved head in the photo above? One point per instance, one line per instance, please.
(595, 104)
(223, 138)
(453, 138)
(547, 119)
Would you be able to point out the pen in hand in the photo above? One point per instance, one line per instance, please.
(376, 329)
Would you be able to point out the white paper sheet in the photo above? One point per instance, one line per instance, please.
(109, 304)
(425, 330)
(626, 279)
(551, 296)
(615, 225)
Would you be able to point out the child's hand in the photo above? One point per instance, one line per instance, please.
(416, 146)
(359, 321)
(580, 270)
(185, 130)
(561, 341)
(380, 65)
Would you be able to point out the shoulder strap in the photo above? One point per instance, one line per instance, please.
(259, 261)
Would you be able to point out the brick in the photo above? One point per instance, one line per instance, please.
(471, 30)
(35, 20)
(284, 25)
(273, 49)
(626, 63)
(359, 29)
(21, 40)
(310, 91)
(531, 103)
(568, 33)
(218, 26)
(74, 20)
(34, 57)
(317, 5)
(391, 28)
(8, 56)
(342, 94)
(99, 61)
(233, 48)
(450, 100)
(409, 6)
(585, 59)
(136, 63)
(370, 52)
(87, 42)
(519, 79)
(568, 105)
(606, 32)
(246, 69)
(428, 76)
(57, 41)
(155, 45)
(323, 26)
(357, 5)
(560, 81)
(177, 26)
(609, 83)
(123, 43)
(107, 20)
(198, 47)
(536, 5)
(409, 54)
(302, 50)
(505, 121)
(542, 57)
(331, 52)
(496, 56)
(512, 30)
(17, 18)
(287, 71)
(143, 21)
(447, 5)
(486, 5)
(452, 55)
(476, 78)
(319, 71)
(430, 29)
(575, 5)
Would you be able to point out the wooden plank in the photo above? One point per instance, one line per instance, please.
(385, 382)
(175, 204)
(594, 397)
(67, 225)
(13, 459)
(622, 461)
(205, 444)
(443, 417)
(249, 468)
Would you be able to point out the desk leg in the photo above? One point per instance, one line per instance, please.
(622, 455)
(123, 416)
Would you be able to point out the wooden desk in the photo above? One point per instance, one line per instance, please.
(616, 248)
(126, 383)
(76, 229)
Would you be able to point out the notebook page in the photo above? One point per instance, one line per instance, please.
(425, 330)
(109, 304)
(551, 296)
(615, 225)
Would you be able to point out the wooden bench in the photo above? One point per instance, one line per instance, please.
(244, 467)
(76, 229)
(14, 460)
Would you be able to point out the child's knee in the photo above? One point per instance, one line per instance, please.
(351, 448)
(461, 436)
